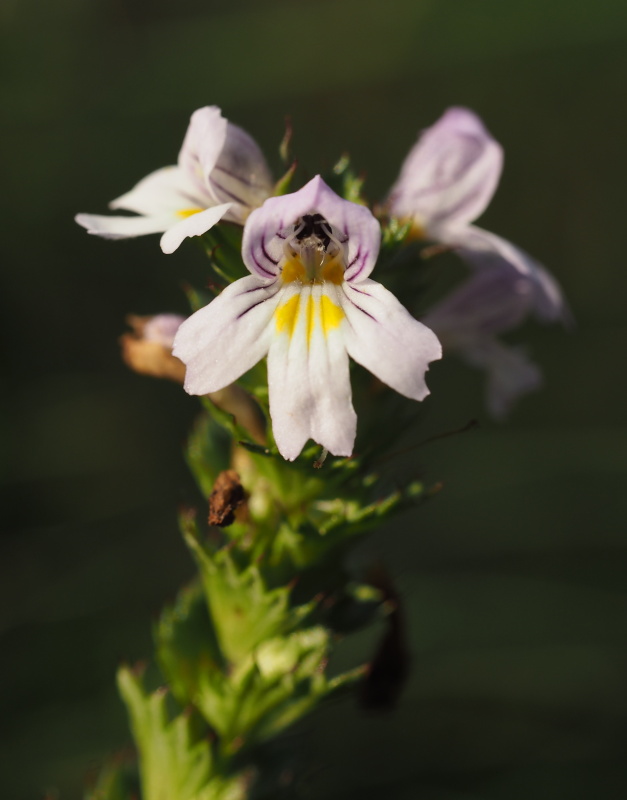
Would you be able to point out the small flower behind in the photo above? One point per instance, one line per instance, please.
(308, 305)
(221, 175)
(468, 321)
(446, 181)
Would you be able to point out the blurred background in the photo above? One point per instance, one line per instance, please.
(513, 579)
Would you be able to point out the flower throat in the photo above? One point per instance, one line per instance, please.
(313, 252)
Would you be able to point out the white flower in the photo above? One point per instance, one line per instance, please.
(221, 174)
(308, 305)
(446, 181)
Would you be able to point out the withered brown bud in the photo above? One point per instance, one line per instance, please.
(148, 348)
(227, 495)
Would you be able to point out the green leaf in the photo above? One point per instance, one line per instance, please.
(244, 611)
(175, 757)
(186, 643)
(344, 181)
(284, 184)
(282, 680)
(207, 452)
(223, 245)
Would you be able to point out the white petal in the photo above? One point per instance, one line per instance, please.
(118, 227)
(308, 374)
(202, 145)
(166, 190)
(195, 225)
(228, 337)
(383, 337)
(450, 174)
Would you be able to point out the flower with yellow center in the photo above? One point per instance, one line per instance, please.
(221, 175)
(308, 305)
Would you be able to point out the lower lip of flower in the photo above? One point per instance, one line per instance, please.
(316, 310)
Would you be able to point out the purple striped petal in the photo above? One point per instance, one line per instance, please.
(267, 227)
(225, 163)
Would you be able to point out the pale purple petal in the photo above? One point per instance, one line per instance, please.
(119, 227)
(491, 301)
(203, 143)
(262, 245)
(225, 163)
(166, 190)
(383, 337)
(194, 225)
(495, 299)
(510, 373)
(225, 339)
(308, 379)
(241, 174)
(162, 329)
(484, 250)
(450, 174)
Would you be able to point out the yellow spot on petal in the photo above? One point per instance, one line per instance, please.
(333, 271)
(319, 311)
(287, 315)
(293, 270)
(188, 212)
(330, 315)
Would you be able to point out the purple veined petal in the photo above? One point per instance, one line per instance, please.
(308, 373)
(226, 338)
(194, 225)
(119, 227)
(492, 300)
(202, 145)
(166, 190)
(383, 337)
(450, 174)
(241, 174)
(483, 250)
(262, 245)
(225, 162)
(510, 373)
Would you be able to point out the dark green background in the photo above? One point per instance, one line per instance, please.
(513, 579)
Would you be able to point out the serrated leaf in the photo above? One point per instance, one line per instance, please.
(186, 643)
(280, 682)
(244, 611)
(175, 758)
